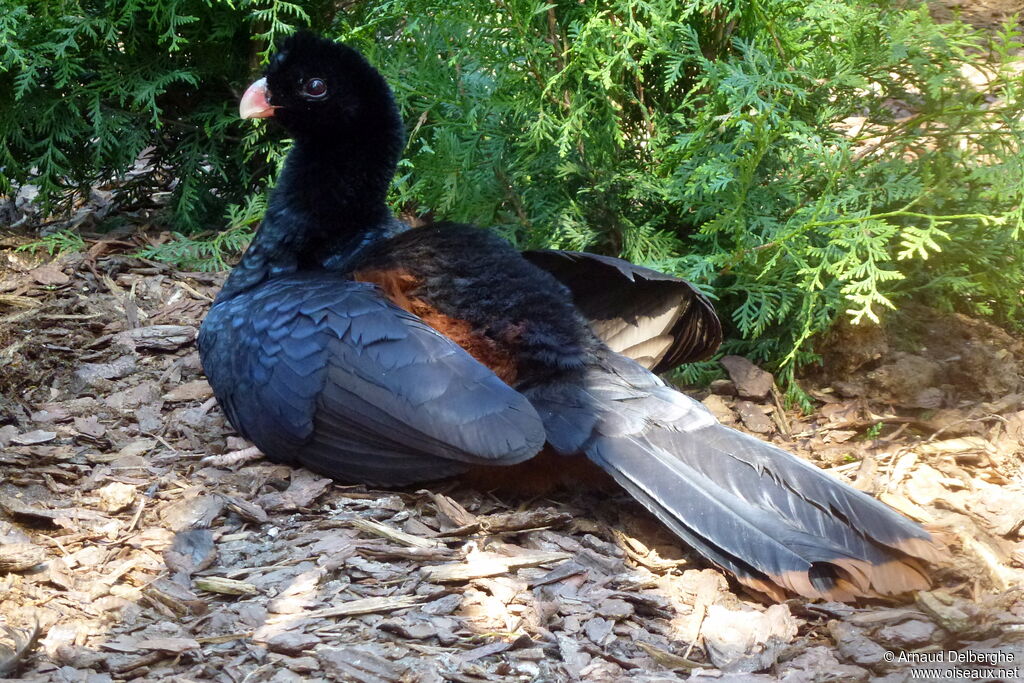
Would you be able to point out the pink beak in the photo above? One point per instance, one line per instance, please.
(254, 104)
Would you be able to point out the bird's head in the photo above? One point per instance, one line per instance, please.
(315, 87)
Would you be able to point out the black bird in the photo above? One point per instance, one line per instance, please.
(372, 353)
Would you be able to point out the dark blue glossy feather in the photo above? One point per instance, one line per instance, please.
(322, 371)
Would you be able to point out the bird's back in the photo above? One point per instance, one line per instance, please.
(478, 290)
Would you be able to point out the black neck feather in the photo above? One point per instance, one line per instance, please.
(330, 200)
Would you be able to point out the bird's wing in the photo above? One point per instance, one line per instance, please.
(658, 320)
(326, 373)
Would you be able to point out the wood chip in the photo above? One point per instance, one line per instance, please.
(855, 646)
(443, 605)
(191, 551)
(451, 514)
(538, 518)
(192, 512)
(226, 638)
(224, 586)
(158, 337)
(967, 444)
(559, 573)
(299, 595)
(481, 565)
(291, 643)
(197, 390)
(942, 608)
(17, 557)
(904, 505)
(392, 534)
(409, 629)
(439, 554)
(174, 597)
(667, 659)
(305, 487)
(173, 645)
(63, 516)
(754, 417)
(246, 510)
(34, 437)
(90, 426)
(745, 640)
(484, 651)
(359, 665)
(22, 644)
(367, 606)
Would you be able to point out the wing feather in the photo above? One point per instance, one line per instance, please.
(656, 319)
(326, 373)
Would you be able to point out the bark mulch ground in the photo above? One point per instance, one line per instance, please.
(124, 557)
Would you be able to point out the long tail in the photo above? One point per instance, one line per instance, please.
(765, 515)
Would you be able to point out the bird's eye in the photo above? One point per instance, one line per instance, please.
(314, 88)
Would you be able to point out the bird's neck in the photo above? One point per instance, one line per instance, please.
(328, 205)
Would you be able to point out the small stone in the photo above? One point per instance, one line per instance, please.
(751, 381)
(292, 643)
(116, 496)
(754, 418)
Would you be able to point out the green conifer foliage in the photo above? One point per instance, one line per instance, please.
(803, 160)
(90, 88)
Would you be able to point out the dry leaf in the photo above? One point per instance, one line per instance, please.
(49, 274)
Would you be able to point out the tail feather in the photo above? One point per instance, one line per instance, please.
(706, 518)
(767, 469)
(765, 515)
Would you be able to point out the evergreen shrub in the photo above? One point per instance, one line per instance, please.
(802, 160)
